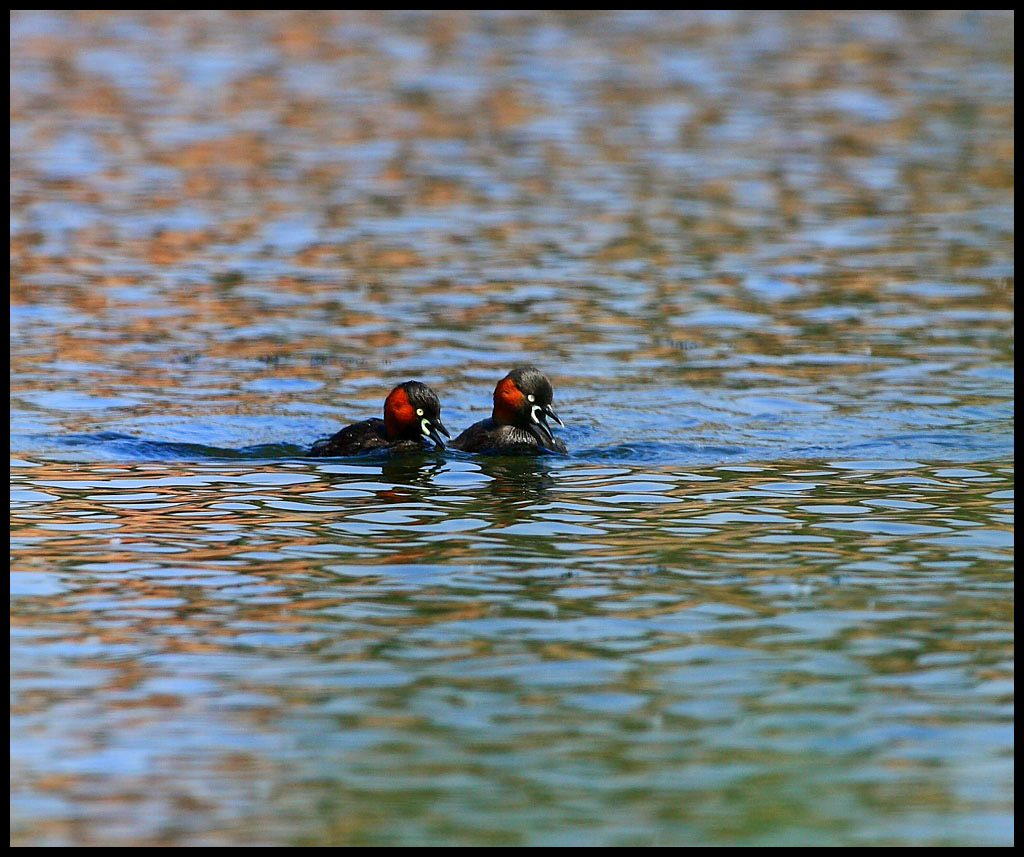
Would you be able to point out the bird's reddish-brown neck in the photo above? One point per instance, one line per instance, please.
(508, 399)
(398, 413)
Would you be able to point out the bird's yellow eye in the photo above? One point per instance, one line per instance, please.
(419, 412)
(530, 398)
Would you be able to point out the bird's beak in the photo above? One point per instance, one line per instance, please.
(550, 411)
(539, 424)
(434, 429)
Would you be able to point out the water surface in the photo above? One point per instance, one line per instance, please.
(767, 262)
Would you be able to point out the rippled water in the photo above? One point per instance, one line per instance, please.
(767, 262)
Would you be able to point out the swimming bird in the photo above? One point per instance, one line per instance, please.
(519, 421)
(412, 415)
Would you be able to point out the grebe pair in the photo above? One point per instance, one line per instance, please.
(412, 415)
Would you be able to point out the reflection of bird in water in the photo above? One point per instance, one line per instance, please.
(514, 478)
(519, 421)
(412, 415)
(415, 472)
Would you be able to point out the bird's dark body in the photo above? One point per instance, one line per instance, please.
(412, 417)
(359, 437)
(490, 436)
(365, 436)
